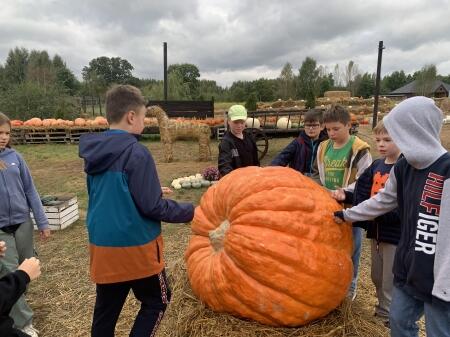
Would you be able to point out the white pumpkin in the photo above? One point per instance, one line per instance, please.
(186, 185)
(284, 123)
(252, 123)
(177, 186)
(196, 184)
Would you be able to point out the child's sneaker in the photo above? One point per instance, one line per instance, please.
(30, 330)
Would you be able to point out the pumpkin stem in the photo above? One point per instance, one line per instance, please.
(216, 236)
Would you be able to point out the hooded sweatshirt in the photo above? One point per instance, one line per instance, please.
(125, 208)
(300, 153)
(17, 192)
(420, 186)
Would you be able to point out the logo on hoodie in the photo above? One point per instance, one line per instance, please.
(428, 221)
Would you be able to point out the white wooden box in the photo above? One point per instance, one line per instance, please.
(62, 215)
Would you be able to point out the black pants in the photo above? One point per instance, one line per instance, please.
(154, 294)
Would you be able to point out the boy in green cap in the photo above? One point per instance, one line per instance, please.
(237, 149)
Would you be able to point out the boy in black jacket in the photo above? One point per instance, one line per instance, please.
(237, 149)
(302, 151)
(384, 231)
(12, 286)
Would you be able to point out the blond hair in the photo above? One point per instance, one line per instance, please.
(379, 128)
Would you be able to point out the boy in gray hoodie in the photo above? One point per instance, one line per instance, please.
(419, 185)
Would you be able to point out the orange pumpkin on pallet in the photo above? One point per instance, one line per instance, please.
(79, 122)
(33, 122)
(265, 246)
(16, 122)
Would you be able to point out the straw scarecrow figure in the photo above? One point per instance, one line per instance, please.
(171, 130)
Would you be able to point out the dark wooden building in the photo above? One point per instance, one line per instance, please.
(438, 89)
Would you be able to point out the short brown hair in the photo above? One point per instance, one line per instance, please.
(120, 99)
(5, 120)
(379, 128)
(314, 115)
(336, 113)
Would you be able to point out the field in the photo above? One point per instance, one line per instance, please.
(63, 296)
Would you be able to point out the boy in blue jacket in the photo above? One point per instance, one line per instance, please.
(302, 151)
(124, 217)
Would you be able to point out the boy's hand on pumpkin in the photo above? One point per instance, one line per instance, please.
(339, 217)
(338, 195)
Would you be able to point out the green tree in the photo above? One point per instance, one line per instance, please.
(307, 81)
(425, 79)
(286, 85)
(189, 74)
(64, 76)
(351, 71)
(395, 80)
(250, 103)
(366, 85)
(107, 71)
(40, 68)
(16, 65)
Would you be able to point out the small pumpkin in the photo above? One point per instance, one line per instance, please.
(205, 183)
(196, 184)
(264, 246)
(186, 184)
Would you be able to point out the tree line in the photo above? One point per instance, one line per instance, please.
(34, 84)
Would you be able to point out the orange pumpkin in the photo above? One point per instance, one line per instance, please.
(33, 122)
(80, 122)
(16, 122)
(265, 246)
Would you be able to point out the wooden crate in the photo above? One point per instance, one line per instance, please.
(62, 215)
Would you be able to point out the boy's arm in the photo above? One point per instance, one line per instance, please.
(285, 156)
(145, 188)
(361, 165)
(12, 286)
(384, 201)
(317, 174)
(442, 258)
(32, 195)
(225, 158)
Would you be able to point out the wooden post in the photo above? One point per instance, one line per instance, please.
(165, 71)
(377, 85)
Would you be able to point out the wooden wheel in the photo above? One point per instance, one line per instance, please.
(261, 140)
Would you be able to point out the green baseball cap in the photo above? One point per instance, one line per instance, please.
(236, 112)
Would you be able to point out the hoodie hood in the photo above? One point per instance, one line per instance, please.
(101, 150)
(6, 151)
(415, 125)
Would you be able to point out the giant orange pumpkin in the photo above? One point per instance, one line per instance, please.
(264, 246)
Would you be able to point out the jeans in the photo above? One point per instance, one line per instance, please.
(357, 243)
(405, 311)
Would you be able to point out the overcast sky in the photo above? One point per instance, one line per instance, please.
(234, 39)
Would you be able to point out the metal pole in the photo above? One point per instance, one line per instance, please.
(377, 85)
(165, 71)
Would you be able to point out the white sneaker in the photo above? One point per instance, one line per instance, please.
(30, 330)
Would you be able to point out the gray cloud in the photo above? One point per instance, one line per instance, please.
(233, 40)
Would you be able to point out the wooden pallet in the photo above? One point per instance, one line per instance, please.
(62, 215)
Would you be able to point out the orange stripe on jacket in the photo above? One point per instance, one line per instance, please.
(120, 264)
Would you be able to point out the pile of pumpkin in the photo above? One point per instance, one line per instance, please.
(99, 121)
(193, 181)
(53, 122)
